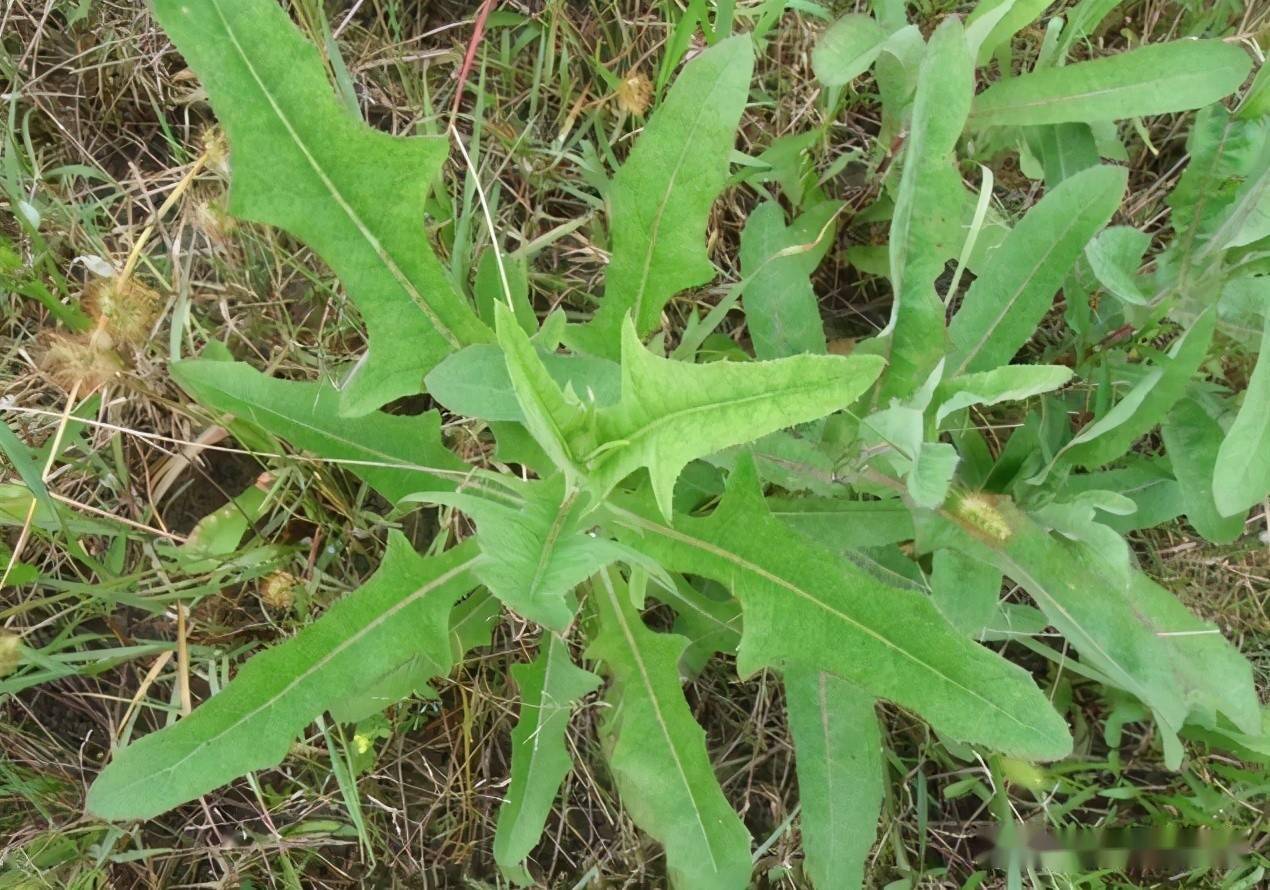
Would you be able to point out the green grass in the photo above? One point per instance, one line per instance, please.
(99, 123)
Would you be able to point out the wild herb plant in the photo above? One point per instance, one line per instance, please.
(838, 521)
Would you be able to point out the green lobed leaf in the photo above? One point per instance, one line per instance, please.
(1006, 303)
(805, 607)
(355, 195)
(659, 201)
(709, 624)
(1123, 624)
(1192, 439)
(549, 688)
(657, 752)
(535, 553)
(395, 455)
(252, 722)
(928, 206)
(847, 49)
(841, 524)
(838, 758)
(966, 590)
(1156, 79)
(782, 312)
(1242, 475)
(1146, 404)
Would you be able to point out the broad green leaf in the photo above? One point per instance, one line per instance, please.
(1114, 256)
(657, 752)
(395, 455)
(1242, 476)
(838, 757)
(841, 524)
(474, 382)
(782, 312)
(1008, 384)
(1016, 16)
(471, 625)
(1149, 483)
(806, 608)
(1224, 152)
(355, 195)
(1146, 404)
(1005, 304)
(659, 201)
(1064, 149)
(535, 553)
(1192, 439)
(1154, 79)
(927, 206)
(847, 49)
(549, 686)
(1132, 631)
(965, 590)
(671, 413)
(252, 722)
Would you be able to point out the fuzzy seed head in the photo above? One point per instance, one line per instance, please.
(84, 360)
(10, 652)
(634, 93)
(277, 591)
(979, 510)
(124, 308)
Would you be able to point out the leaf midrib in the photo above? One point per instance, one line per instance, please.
(744, 564)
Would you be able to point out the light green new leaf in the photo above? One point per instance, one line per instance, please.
(659, 201)
(1125, 626)
(657, 752)
(1154, 79)
(847, 49)
(781, 309)
(1242, 477)
(1008, 384)
(1005, 304)
(252, 722)
(1193, 439)
(549, 688)
(553, 417)
(927, 207)
(355, 195)
(534, 554)
(806, 607)
(474, 382)
(1017, 15)
(396, 455)
(1146, 404)
(671, 413)
(838, 757)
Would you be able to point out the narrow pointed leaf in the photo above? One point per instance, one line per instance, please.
(1005, 304)
(782, 312)
(1192, 439)
(1154, 79)
(805, 607)
(1008, 384)
(252, 722)
(928, 208)
(657, 751)
(847, 49)
(1124, 625)
(1146, 404)
(355, 195)
(1242, 477)
(838, 751)
(660, 199)
(395, 455)
(549, 686)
